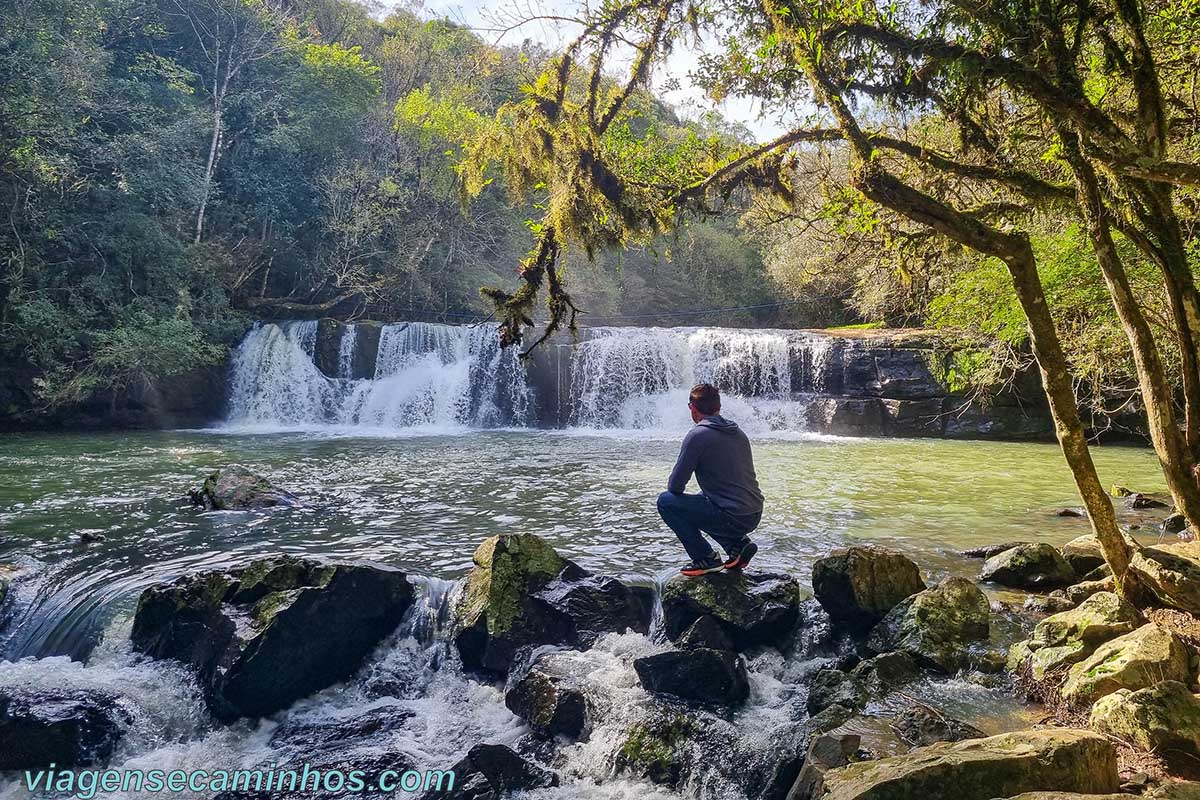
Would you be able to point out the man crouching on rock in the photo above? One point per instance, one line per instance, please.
(729, 505)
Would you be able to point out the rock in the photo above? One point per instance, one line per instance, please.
(1164, 718)
(887, 672)
(857, 586)
(705, 632)
(826, 752)
(1077, 593)
(1056, 759)
(753, 609)
(936, 625)
(1175, 523)
(1143, 500)
(1170, 573)
(698, 675)
(835, 716)
(1030, 566)
(1120, 491)
(492, 772)
(1054, 603)
(920, 726)
(1134, 661)
(235, 488)
(1071, 636)
(1083, 553)
(831, 686)
(67, 728)
(279, 629)
(989, 550)
(1074, 513)
(550, 700)
(521, 593)
(1069, 796)
(651, 748)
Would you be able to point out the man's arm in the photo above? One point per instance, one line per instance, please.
(685, 465)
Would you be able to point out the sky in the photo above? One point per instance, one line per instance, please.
(487, 17)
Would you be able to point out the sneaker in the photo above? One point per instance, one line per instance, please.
(698, 568)
(741, 559)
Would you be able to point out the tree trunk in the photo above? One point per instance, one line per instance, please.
(209, 168)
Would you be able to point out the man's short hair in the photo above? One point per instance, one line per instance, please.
(705, 398)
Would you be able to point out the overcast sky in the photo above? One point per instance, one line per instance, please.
(487, 15)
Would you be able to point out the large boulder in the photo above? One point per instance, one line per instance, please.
(1164, 718)
(705, 632)
(1029, 566)
(754, 609)
(653, 749)
(522, 594)
(69, 728)
(936, 626)
(1134, 661)
(1084, 554)
(825, 752)
(886, 672)
(263, 636)
(1170, 573)
(1071, 636)
(698, 675)
(857, 586)
(550, 698)
(236, 488)
(833, 687)
(1055, 759)
(492, 772)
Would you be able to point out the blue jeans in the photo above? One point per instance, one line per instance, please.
(691, 514)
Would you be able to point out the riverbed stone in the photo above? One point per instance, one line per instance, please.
(1071, 636)
(1170, 573)
(521, 593)
(1164, 718)
(825, 752)
(887, 672)
(699, 675)
(988, 550)
(1030, 566)
(1054, 759)
(1083, 553)
(705, 632)
(920, 726)
(651, 748)
(550, 699)
(69, 728)
(857, 586)
(1134, 661)
(752, 609)
(237, 488)
(832, 686)
(279, 629)
(936, 626)
(492, 772)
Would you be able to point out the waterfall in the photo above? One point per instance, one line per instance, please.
(426, 375)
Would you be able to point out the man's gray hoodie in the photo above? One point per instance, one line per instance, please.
(718, 452)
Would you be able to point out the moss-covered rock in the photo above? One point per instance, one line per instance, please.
(936, 626)
(886, 672)
(981, 769)
(1134, 661)
(753, 609)
(857, 586)
(522, 593)
(1164, 718)
(550, 699)
(651, 749)
(1170, 573)
(264, 636)
(236, 488)
(1071, 636)
(1029, 566)
(833, 687)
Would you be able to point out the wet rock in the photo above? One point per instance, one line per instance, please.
(522, 593)
(1056, 759)
(1170, 573)
(833, 717)
(857, 586)
(1074, 513)
(936, 626)
(1134, 661)
(651, 749)
(826, 752)
(831, 686)
(235, 488)
(264, 636)
(1164, 718)
(705, 632)
(1175, 523)
(753, 609)
(887, 672)
(69, 728)
(1031, 566)
(698, 675)
(989, 550)
(550, 700)
(921, 726)
(1145, 500)
(492, 772)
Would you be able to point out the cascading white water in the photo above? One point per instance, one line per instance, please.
(426, 375)
(638, 378)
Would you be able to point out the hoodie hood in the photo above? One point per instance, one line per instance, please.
(719, 423)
